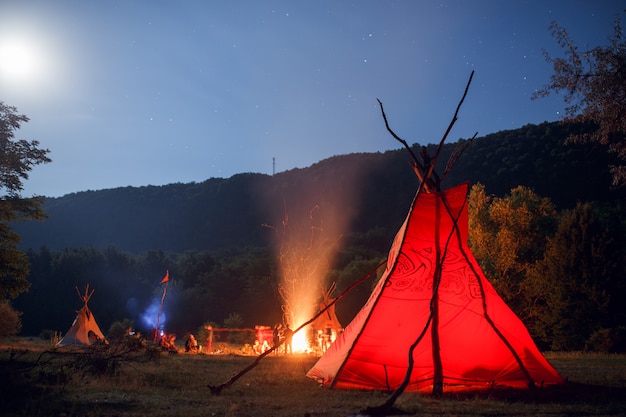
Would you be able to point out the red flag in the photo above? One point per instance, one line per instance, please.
(166, 279)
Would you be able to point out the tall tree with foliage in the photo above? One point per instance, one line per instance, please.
(17, 158)
(507, 236)
(594, 87)
(578, 286)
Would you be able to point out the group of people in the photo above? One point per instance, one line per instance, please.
(284, 334)
(279, 333)
(168, 343)
(325, 338)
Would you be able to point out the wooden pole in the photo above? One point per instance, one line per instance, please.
(429, 181)
(156, 329)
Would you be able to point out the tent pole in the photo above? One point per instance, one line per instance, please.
(438, 373)
(434, 330)
(156, 329)
(425, 173)
(520, 363)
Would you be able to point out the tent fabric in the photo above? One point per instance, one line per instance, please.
(471, 339)
(79, 333)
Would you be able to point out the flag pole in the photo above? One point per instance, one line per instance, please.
(165, 280)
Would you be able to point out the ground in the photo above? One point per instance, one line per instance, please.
(39, 380)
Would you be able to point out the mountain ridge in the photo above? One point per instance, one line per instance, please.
(354, 192)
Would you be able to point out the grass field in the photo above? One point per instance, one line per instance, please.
(39, 381)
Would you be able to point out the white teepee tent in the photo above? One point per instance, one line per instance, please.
(84, 330)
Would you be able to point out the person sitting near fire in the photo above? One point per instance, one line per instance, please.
(168, 343)
(164, 342)
(172, 344)
(191, 345)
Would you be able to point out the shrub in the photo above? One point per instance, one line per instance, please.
(10, 322)
(120, 329)
(607, 341)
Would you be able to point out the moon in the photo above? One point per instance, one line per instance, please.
(21, 60)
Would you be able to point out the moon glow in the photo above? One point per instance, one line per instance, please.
(20, 61)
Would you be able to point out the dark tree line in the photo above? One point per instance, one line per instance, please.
(204, 287)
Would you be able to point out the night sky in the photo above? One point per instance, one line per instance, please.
(157, 92)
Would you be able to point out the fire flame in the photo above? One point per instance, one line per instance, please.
(300, 342)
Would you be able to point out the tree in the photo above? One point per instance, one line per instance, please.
(594, 84)
(507, 236)
(578, 286)
(10, 322)
(17, 158)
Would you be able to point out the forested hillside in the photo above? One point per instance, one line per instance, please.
(219, 239)
(369, 190)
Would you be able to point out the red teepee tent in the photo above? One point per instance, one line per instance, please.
(434, 296)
